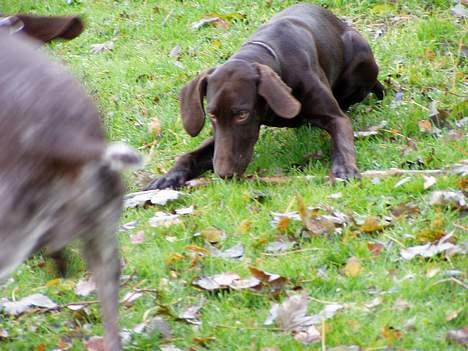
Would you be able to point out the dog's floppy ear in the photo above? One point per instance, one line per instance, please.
(191, 103)
(277, 93)
(47, 28)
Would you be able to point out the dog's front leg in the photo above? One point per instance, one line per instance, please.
(187, 166)
(322, 110)
(343, 152)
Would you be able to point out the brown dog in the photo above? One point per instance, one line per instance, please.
(58, 179)
(43, 28)
(302, 67)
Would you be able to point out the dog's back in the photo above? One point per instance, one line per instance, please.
(59, 181)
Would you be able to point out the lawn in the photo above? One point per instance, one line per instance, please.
(386, 302)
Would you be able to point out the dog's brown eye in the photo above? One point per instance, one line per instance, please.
(242, 116)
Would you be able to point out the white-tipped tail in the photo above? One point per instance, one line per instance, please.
(121, 156)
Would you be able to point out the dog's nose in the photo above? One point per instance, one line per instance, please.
(225, 174)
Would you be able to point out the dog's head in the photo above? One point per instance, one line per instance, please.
(236, 94)
(44, 28)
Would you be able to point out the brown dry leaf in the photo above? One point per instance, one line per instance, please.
(191, 313)
(213, 235)
(198, 250)
(391, 334)
(217, 281)
(18, 307)
(353, 267)
(371, 225)
(204, 340)
(95, 343)
(266, 277)
(319, 225)
(463, 184)
(425, 126)
(283, 224)
(375, 248)
(405, 209)
(154, 128)
(40, 347)
(244, 226)
(459, 336)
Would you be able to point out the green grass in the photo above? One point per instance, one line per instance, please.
(418, 54)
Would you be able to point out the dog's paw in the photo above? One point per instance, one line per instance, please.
(346, 172)
(174, 180)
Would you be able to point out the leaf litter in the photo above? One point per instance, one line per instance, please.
(291, 317)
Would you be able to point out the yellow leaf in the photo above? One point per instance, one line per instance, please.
(352, 267)
(213, 235)
(390, 334)
(244, 226)
(173, 258)
(371, 225)
(53, 282)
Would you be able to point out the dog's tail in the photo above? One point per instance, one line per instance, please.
(378, 90)
(120, 156)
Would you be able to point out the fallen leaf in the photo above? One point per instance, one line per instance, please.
(283, 224)
(235, 252)
(244, 226)
(16, 308)
(452, 315)
(173, 258)
(40, 347)
(459, 336)
(154, 128)
(138, 238)
(459, 11)
(128, 226)
(131, 297)
(213, 235)
(155, 197)
(102, 47)
(268, 278)
(159, 325)
(401, 305)
(279, 246)
(429, 181)
(95, 343)
(405, 209)
(191, 313)
(184, 210)
(84, 287)
(290, 316)
(53, 282)
(430, 250)
(402, 181)
(212, 21)
(204, 340)
(391, 334)
(375, 248)
(371, 225)
(352, 267)
(425, 126)
(455, 199)
(374, 303)
(175, 51)
(217, 281)
(161, 219)
(374, 130)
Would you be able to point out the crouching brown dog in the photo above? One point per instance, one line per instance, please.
(305, 66)
(59, 181)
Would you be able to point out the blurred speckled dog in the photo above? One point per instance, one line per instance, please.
(59, 181)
